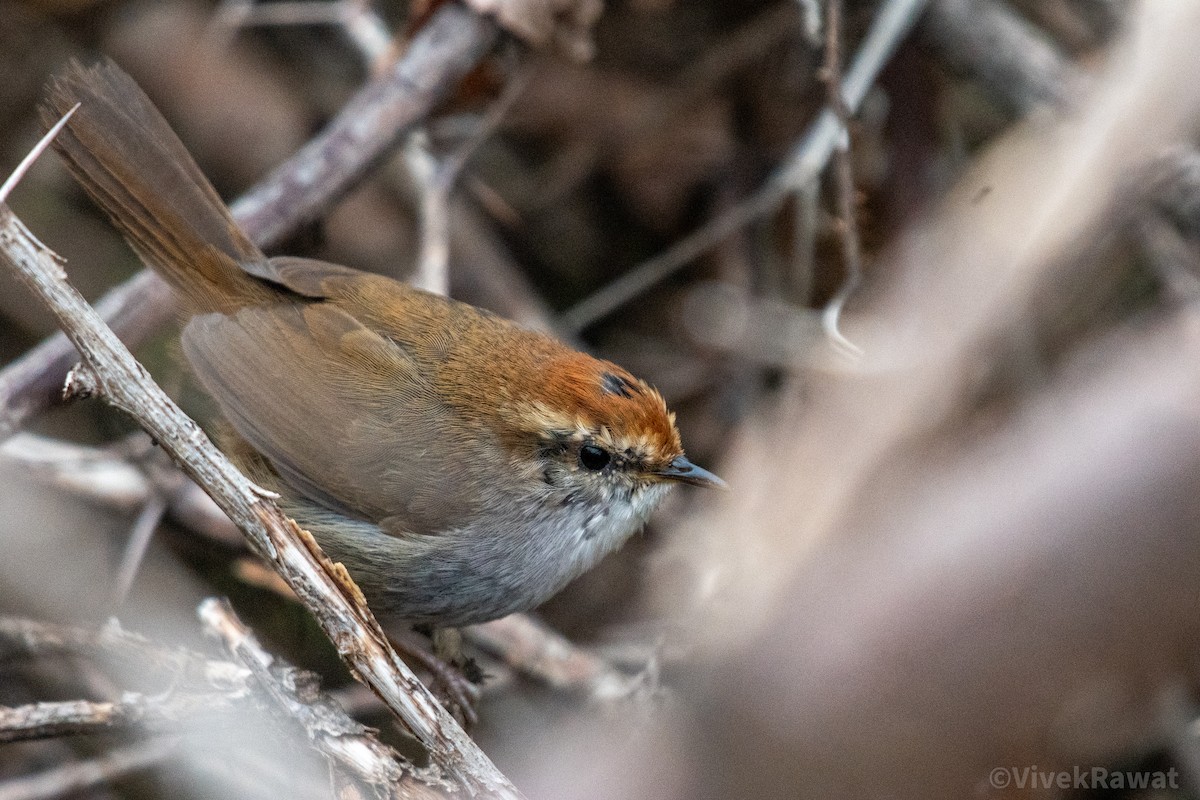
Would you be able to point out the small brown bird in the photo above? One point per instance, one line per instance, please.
(461, 467)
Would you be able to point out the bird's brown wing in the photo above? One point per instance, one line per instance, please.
(343, 413)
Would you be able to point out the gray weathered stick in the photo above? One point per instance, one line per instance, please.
(133, 711)
(347, 743)
(201, 691)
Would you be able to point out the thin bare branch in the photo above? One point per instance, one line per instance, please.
(69, 779)
(843, 181)
(119, 480)
(438, 181)
(135, 548)
(23, 638)
(806, 161)
(367, 127)
(167, 712)
(341, 739)
(361, 23)
(34, 154)
(530, 647)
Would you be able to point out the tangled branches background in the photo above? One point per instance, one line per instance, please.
(950, 371)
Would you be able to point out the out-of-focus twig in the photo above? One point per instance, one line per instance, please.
(116, 480)
(843, 175)
(135, 547)
(132, 711)
(757, 330)
(87, 472)
(564, 26)
(806, 160)
(530, 647)
(801, 276)
(438, 180)
(360, 22)
(298, 191)
(24, 638)
(69, 779)
(812, 19)
(325, 589)
(1015, 62)
(345, 742)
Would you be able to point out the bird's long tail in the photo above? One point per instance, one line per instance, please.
(119, 147)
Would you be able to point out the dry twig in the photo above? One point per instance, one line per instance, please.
(529, 646)
(805, 162)
(23, 638)
(69, 779)
(118, 480)
(203, 693)
(166, 712)
(137, 544)
(438, 178)
(843, 180)
(292, 694)
(357, 19)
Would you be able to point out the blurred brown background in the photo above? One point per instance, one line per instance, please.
(967, 542)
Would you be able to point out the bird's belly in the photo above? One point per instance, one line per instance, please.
(474, 575)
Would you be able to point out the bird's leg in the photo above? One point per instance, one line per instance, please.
(453, 675)
(448, 646)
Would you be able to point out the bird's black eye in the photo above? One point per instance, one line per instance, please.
(593, 458)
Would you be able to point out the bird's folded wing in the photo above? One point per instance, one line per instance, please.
(341, 412)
